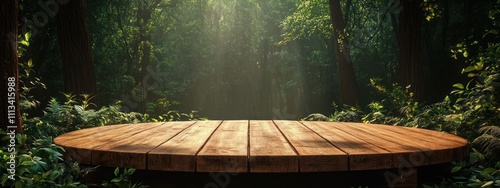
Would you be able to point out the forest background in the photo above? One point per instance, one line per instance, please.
(422, 63)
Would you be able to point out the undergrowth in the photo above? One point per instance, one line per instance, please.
(472, 111)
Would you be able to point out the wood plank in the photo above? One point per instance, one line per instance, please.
(269, 150)
(421, 135)
(261, 146)
(431, 152)
(315, 153)
(82, 156)
(80, 149)
(73, 136)
(363, 155)
(130, 150)
(441, 140)
(86, 145)
(178, 154)
(457, 144)
(411, 152)
(226, 150)
(400, 151)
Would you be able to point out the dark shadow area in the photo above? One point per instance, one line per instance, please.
(373, 178)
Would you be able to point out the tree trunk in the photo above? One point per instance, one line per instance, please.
(76, 51)
(410, 60)
(10, 114)
(349, 91)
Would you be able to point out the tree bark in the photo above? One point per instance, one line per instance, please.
(75, 46)
(10, 114)
(410, 55)
(349, 91)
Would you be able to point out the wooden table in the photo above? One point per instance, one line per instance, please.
(261, 146)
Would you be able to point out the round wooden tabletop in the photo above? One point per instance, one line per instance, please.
(261, 146)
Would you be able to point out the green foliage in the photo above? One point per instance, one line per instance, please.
(74, 114)
(431, 9)
(474, 114)
(471, 173)
(316, 117)
(462, 117)
(123, 180)
(311, 18)
(28, 83)
(160, 106)
(346, 114)
(40, 165)
(174, 115)
(478, 103)
(489, 141)
(397, 107)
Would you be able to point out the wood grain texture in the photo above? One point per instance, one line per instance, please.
(363, 155)
(400, 151)
(261, 146)
(315, 153)
(410, 151)
(457, 144)
(81, 143)
(269, 150)
(226, 150)
(130, 149)
(445, 146)
(178, 154)
(75, 135)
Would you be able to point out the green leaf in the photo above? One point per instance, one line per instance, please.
(479, 66)
(487, 184)
(458, 86)
(27, 163)
(477, 107)
(469, 69)
(79, 109)
(488, 171)
(26, 43)
(27, 36)
(54, 175)
(116, 180)
(19, 184)
(466, 54)
(473, 158)
(30, 63)
(460, 178)
(131, 171)
(456, 169)
(494, 32)
(117, 171)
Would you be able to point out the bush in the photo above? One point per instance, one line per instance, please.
(40, 165)
(123, 180)
(74, 115)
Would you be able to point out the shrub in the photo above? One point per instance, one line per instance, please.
(40, 165)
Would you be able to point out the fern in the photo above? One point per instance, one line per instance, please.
(489, 141)
(492, 130)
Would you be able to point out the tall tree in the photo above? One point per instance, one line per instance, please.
(75, 46)
(142, 47)
(9, 83)
(410, 60)
(349, 91)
